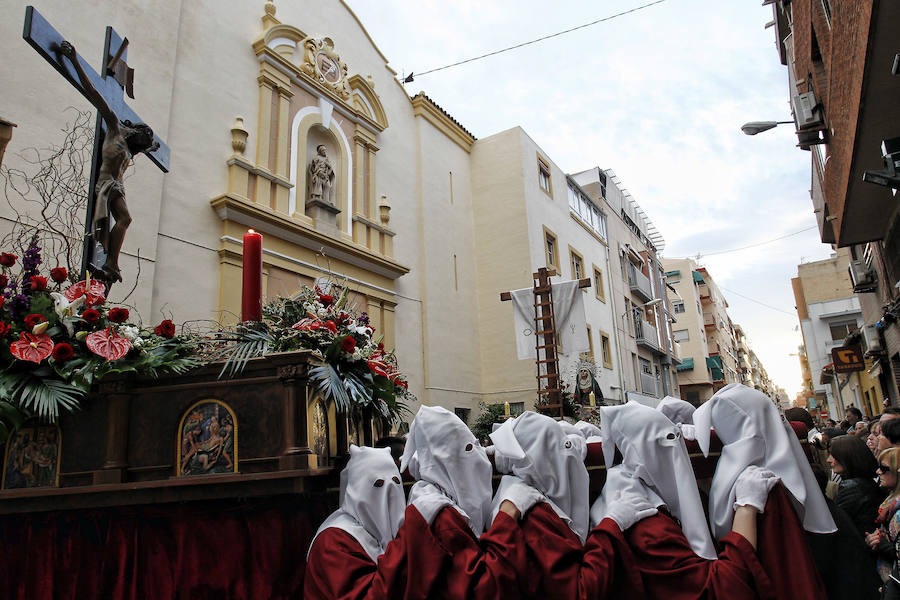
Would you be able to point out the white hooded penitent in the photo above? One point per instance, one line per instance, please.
(654, 458)
(754, 433)
(534, 448)
(450, 465)
(371, 500)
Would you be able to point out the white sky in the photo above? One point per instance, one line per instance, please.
(658, 96)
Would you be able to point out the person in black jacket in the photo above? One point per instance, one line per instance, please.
(858, 494)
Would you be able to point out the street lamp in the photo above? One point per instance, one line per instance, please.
(754, 127)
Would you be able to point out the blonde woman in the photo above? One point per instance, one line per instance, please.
(884, 539)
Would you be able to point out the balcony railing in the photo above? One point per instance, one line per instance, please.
(648, 384)
(639, 283)
(646, 335)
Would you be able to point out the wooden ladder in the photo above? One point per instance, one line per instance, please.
(549, 396)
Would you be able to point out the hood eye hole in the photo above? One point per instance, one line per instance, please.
(469, 447)
(395, 479)
(568, 444)
(670, 436)
(677, 434)
(378, 483)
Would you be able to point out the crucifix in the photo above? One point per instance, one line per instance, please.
(545, 340)
(119, 135)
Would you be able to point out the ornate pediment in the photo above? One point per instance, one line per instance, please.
(314, 61)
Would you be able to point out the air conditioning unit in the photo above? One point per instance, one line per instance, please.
(862, 277)
(807, 112)
(872, 339)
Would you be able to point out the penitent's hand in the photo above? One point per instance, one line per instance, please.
(67, 50)
(509, 508)
(752, 487)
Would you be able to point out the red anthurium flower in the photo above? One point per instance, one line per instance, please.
(96, 293)
(330, 326)
(38, 284)
(118, 315)
(91, 315)
(308, 324)
(348, 344)
(34, 348)
(33, 319)
(108, 344)
(63, 352)
(165, 329)
(7, 260)
(378, 367)
(59, 274)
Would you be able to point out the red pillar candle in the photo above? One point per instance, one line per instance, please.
(251, 295)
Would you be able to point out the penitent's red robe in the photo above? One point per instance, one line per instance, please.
(558, 566)
(670, 569)
(339, 568)
(478, 568)
(784, 550)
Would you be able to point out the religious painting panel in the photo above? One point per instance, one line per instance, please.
(207, 440)
(319, 440)
(32, 457)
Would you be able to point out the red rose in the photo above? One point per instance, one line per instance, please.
(32, 320)
(63, 352)
(4, 330)
(91, 315)
(348, 344)
(165, 329)
(7, 260)
(59, 274)
(118, 315)
(326, 300)
(38, 284)
(3, 281)
(330, 326)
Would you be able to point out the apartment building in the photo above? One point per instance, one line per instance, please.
(642, 312)
(843, 83)
(831, 316)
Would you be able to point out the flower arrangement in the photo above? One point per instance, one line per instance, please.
(357, 373)
(59, 336)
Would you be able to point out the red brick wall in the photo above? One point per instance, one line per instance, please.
(837, 80)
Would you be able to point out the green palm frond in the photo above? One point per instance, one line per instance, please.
(11, 417)
(42, 396)
(247, 344)
(328, 382)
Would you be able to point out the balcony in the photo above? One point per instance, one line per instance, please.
(716, 369)
(639, 283)
(648, 384)
(646, 335)
(709, 322)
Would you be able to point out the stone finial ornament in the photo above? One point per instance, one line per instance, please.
(384, 211)
(239, 136)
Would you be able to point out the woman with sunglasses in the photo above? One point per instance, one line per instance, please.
(883, 540)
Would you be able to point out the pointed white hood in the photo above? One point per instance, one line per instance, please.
(535, 449)
(654, 456)
(443, 452)
(371, 500)
(754, 433)
(676, 410)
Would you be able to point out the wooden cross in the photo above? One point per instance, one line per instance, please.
(545, 338)
(115, 78)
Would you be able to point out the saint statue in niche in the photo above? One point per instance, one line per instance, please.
(321, 177)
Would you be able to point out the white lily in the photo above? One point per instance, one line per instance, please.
(67, 311)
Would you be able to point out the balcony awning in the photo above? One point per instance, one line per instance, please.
(687, 364)
(714, 364)
(698, 278)
(673, 273)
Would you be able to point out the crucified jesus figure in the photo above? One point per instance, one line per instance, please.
(123, 140)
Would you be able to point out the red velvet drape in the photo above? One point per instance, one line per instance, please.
(237, 550)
